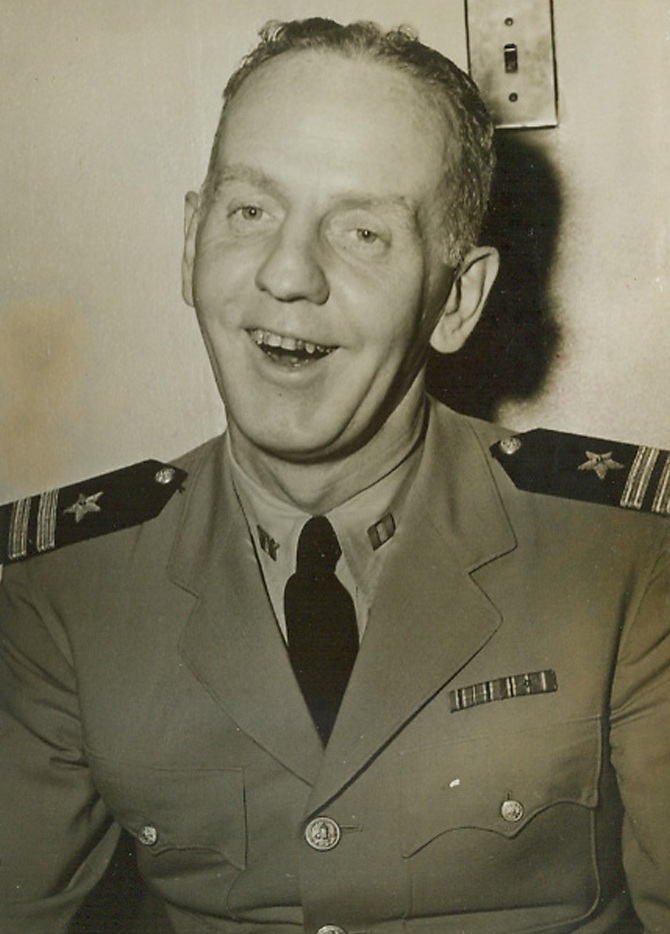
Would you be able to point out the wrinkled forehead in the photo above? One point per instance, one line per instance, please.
(302, 90)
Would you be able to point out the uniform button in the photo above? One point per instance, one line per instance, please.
(511, 811)
(323, 833)
(165, 475)
(331, 929)
(510, 446)
(148, 835)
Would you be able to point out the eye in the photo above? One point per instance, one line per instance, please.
(246, 219)
(249, 212)
(360, 234)
(365, 235)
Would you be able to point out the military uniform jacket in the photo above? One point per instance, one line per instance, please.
(500, 762)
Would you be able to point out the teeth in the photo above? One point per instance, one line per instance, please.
(277, 341)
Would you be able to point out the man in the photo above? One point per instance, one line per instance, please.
(361, 674)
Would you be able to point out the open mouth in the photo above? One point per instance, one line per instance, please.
(290, 351)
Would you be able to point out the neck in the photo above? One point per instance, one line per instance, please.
(318, 487)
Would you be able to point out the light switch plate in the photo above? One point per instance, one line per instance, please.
(511, 55)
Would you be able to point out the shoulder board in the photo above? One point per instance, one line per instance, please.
(112, 501)
(589, 469)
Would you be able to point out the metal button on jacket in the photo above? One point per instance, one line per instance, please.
(148, 835)
(323, 833)
(512, 811)
(165, 475)
(331, 929)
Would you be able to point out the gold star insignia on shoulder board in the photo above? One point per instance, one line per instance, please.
(614, 473)
(132, 495)
(600, 464)
(84, 505)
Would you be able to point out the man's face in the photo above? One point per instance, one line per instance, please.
(318, 275)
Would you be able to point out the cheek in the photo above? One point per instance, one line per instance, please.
(401, 323)
(218, 299)
(383, 304)
(218, 267)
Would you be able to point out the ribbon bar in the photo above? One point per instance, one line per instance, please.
(533, 682)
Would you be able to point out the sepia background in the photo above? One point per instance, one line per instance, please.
(107, 114)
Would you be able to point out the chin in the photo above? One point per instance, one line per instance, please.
(299, 451)
(296, 446)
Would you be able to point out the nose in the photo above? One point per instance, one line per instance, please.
(291, 270)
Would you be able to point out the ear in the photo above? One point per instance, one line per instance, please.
(469, 290)
(191, 206)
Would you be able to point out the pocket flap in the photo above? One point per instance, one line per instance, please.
(164, 809)
(498, 783)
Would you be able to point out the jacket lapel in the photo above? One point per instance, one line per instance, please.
(430, 617)
(232, 642)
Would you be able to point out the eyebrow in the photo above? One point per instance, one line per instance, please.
(245, 173)
(405, 209)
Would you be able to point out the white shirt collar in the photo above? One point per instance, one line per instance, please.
(365, 526)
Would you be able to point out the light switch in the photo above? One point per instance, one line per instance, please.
(511, 54)
(511, 58)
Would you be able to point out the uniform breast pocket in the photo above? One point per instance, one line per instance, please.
(504, 822)
(189, 824)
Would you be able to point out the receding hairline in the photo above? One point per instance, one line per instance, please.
(451, 141)
(429, 91)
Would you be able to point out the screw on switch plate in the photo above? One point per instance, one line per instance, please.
(511, 53)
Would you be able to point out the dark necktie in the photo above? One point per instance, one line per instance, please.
(320, 624)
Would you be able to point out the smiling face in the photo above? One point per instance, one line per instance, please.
(315, 264)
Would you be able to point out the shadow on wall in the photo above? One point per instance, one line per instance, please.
(509, 355)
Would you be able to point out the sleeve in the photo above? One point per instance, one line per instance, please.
(56, 838)
(640, 749)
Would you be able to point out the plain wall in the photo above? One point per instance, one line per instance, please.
(107, 115)
(611, 153)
